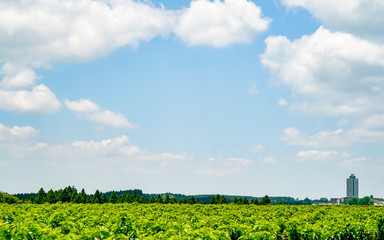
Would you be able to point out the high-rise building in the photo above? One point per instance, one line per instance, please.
(352, 186)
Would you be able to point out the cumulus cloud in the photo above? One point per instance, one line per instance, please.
(359, 16)
(38, 100)
(21, 80)
(220, 24)
(17, 133)
(330, 73)
(87, 109)
(39, 32)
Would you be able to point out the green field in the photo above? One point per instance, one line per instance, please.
(175, 221)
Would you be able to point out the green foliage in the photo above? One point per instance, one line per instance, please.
(360, 201)
(185, 221)
(8, 198)
(380, 228)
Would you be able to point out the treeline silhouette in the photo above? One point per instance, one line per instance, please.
(71, 195)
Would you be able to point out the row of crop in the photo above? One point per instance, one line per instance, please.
(158, 221)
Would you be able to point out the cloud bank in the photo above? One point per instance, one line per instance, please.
(39, 33)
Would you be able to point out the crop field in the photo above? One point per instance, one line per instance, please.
(198, 221)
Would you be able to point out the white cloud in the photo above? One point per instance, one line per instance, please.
(39, 99)
(119, 145)
(356, 16)
(39, 32)
(82, 106)
(253, 89)
(330, 73)
(21, 80)
(87, 109)
(16, 133)
(113, 155)
(220, 24)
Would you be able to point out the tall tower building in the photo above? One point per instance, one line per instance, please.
(352, 186)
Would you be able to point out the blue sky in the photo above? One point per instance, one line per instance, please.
(281, 97)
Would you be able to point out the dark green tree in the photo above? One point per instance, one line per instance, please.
(222, 199)
(255, 201)
(141, 200)
(129, 198)
(192, 200)
(245, 201)
(104, 198)
(365, 201)
(41, 196)
(152, 199)
(213, 200)
(306, 201)
(65, 195)
(96, 197)
(78, 199)
(159, 199)
(135, 196)
(353, 201)
(183, 201)
(84, 196)
(113, 198)
(235, 200)
(167, 199)
(265, 200)
(51, 198)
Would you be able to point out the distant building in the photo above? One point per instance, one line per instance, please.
(352, 186)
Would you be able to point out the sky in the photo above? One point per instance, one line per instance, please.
(239, 97)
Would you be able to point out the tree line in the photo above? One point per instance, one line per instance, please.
(71, 195)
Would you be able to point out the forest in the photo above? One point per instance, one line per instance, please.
(71, 195)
